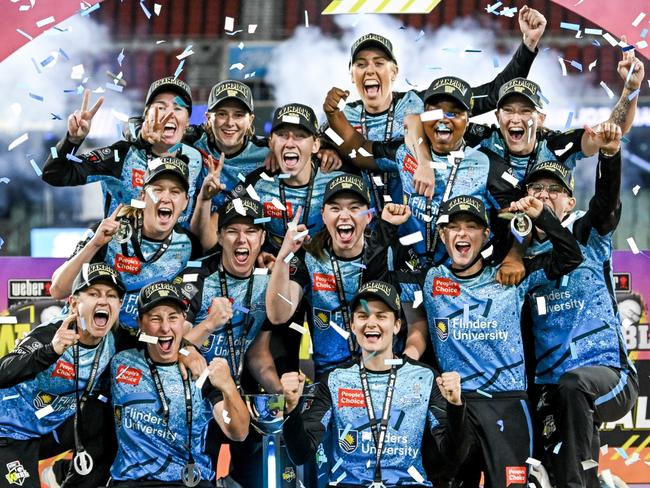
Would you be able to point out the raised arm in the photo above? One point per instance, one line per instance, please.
(261, 365)
(65, 274)
(532, 24)
(204, 223)
(230, 413)
(282, 289)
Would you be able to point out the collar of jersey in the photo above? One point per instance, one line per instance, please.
(340, 258)
(217, 152)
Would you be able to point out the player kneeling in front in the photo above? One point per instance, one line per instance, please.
(379, 407)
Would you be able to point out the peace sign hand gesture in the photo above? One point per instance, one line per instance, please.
(79, 121)
(153, 126)
(291, 244)
(212, 183)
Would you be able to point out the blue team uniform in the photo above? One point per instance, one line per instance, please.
(120, 168)
(150, 448)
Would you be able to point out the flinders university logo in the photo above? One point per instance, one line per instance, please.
(349, 442)
(442, 328)
(43, 399)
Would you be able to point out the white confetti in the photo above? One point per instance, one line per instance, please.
(411, 238)
(593, 65)
(44, 412)
(147, 338)
(533, 462)
(560, 152)
(44, 22)
(636, 189)
(252, 193)
(306, 19)
(229, 24)
(278, 204)
(238, 66)
(364, 153)
(393, 362)
(239, 206)
(331, 133)
(202, 377)
(510, 179)
(342, 332)
(570, 220)
(252, 28)
(18, 141)
(487, 252)
(439, 165)
(609, 38)
(226, 418)
(190, 277)
(589, 464)
(606, 476)
(609, 92)
(415, 474)
(183, 352)
(594, 32)
(286, 299)
(10, 397)
(77, 72)
(138, 203)
(261, 271)
(298, 328)
(341, 104)
(431, 115)
(378, 181)
(266, 177)
(152, 195)
(291, 119)
(603, 449)
(460, 154)
(418, 298)
(561, 61)
(638, 19)
(300, 235)
(632, 459)
(632, 243)
(443, 219)
(288, 258)
(541, 305)
(642, 44)
(156, 8)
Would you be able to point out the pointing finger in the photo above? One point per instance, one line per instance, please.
(96, 107)
(84, 100)
(116, 212)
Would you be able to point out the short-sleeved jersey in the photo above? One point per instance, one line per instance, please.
(375, 127)
(318, 281)
(295, 196)
(183, 246)
(475, 327)
(339, 407)
(120, 168)
(551, 145)
(38, 405)
(471, 179)
(575, 319)
(149, 445)
(236, 166)
(201, 285)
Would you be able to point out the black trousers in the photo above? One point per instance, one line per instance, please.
(499, 440)
(571, 412)
(98, 438)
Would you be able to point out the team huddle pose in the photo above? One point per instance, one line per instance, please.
(420, 251)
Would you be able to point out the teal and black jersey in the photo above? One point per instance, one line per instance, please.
(281, 201)
(136, 273)
(565, 147)
(475, 322)
(201, 285)
(120, 168)
(236, 166)
(318, 280)
(575, 319)
(37, 386)
(152, 445)
(339, 408)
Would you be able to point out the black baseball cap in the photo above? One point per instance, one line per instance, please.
(98, 273)
(296, 114)
(230, 89)
(228, 211)
(372, 40)
(168, 165)
(554, 169)
(452, 87)
(157, 293)
(347, 183)
(380, 290)
(170, 84)
(465, 204)
(523, 87)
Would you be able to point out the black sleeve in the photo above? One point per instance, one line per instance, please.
(299, 273)
(564, 144)
(210, 393)
(33, 355)
(502, 183)
(99, 255)
(126, 339)
(386, 150)
(375, 253)
(192, 134)
(605, 206)
(476, 133)
(565, 256)
(193, 289)
(61, 171)
(448, 432)
(251, 179)
(303, 428)
(518, 67)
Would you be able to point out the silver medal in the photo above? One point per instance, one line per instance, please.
(521, 225)
(83, 463)
(191, 475)
(124, 232)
